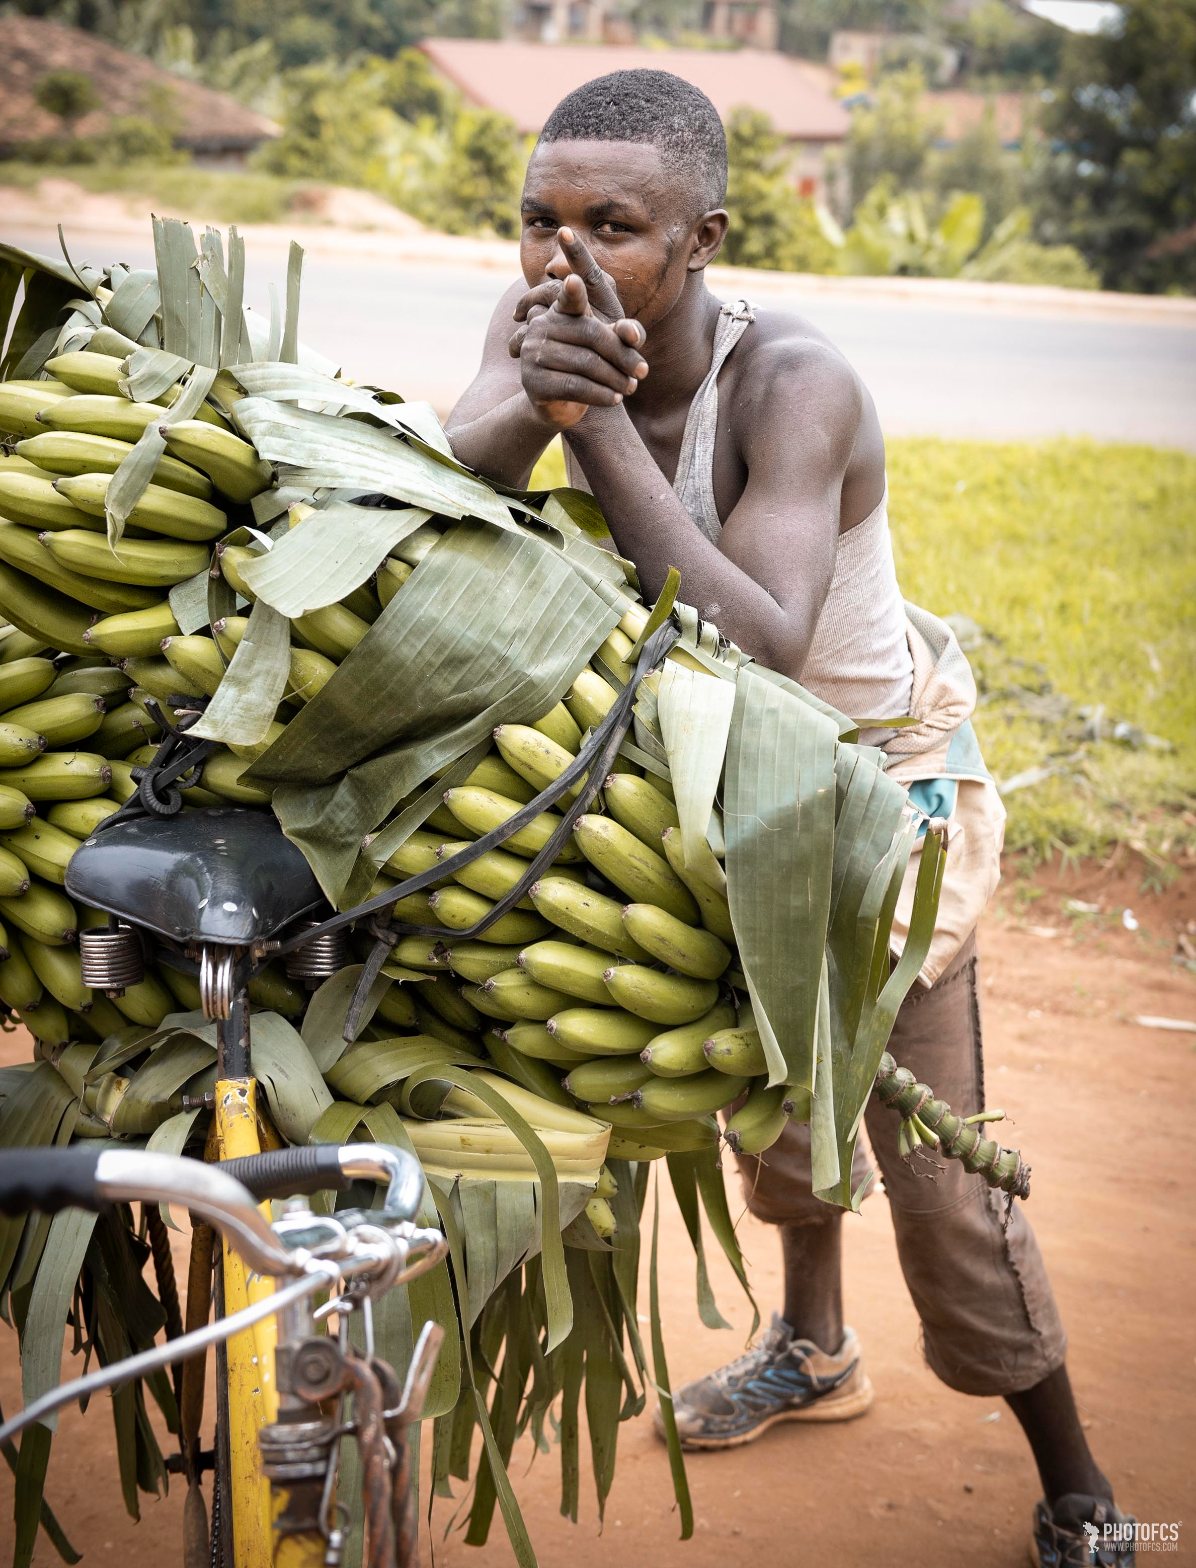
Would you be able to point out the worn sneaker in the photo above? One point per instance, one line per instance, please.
(780, 1379)
(1081, 1531)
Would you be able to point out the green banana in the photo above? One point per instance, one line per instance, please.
(72, 775)
(43, 848)
(29, 552)
(678, 1099)
(80, 818)
(559, 725)
(15, 808)
(688, 949)
(197, 660)
(736, 1050)
(481, 810)
(100, 414)
(390, 578)
(24, 679)
(71, 452)
(590, 916)
(159, 678)
(678, 1052)
(479, 961)
(420, 952)
(601, 1031)
(159, 510)
(493, 773)
(10, 463)
(652, 1141)
(494, 873)
(122, 786)
(706, 880)
(396, 1007)
(34, 502)
(309, 671)
(184, 989)
(270, 990)
(49, 619)
(96, 680)
(17, 645)
(222, 775)
(60, 720)
(443, 997)
(760, 1120)
(520, 998)
(42, 913)
(19, 986)
(14, 875)
(458, 909)
(147, 563)
(639, 871)
(46, 1022)
(86, 371)
(602, 1217)
(18, 744)
(441, 820)
(59, 971)
(613, 655)
(564, 966)
(230, 463)
(146, 1003)
(22, 401)
(534, 1040)
(417, 853)
(606, 1079)
(333, 631)
(135, 633)
(661, 998)
(590, 699)
(429, 1022)
(125, 729)
(536, 757)
(607, 1186)
(642, 810)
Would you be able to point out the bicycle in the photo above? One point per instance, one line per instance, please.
(353, 1255)
(215, 893)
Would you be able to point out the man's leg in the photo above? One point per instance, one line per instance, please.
(807, 1366)
(989, 1321)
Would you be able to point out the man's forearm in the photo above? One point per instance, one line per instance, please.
(504, 442)
(651, 527)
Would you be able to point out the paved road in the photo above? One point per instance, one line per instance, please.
(934, 369)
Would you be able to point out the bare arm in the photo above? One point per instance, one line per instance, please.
(552, 353)
(494, 428)
(765, 582)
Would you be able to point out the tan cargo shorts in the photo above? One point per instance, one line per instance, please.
(989, 1320)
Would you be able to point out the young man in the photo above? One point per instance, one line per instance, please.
(741, 447)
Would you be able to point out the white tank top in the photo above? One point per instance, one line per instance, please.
(860, 660)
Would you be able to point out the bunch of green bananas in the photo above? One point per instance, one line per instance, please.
(611, 987)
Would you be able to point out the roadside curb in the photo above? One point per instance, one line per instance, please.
(438, 251)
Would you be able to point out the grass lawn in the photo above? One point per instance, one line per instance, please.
(222, 195)
(1078, 563)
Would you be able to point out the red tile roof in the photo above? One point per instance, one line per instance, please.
(958, 112)
(209, 121)
(526, 81)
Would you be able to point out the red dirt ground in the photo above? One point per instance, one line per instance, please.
(928, 1478)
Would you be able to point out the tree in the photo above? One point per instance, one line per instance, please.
(1118, 180)
(69, 95)
(979, 163)
(771, 226)
(891, 137)
(484, 174)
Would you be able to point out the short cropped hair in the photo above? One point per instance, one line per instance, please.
(656, 107)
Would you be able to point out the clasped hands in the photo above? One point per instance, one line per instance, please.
(576, 348)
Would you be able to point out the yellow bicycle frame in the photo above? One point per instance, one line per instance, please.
(242, 1128)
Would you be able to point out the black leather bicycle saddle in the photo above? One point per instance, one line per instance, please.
(214, 875)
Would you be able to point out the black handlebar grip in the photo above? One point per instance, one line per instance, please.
(283, 1173)
(47, 1180)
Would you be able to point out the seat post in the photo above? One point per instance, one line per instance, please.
(232, 1039)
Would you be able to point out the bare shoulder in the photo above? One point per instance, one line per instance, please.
(787, 366)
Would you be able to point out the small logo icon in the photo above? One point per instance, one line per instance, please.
(1093, 1535)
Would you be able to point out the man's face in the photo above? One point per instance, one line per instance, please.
(620, 200)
